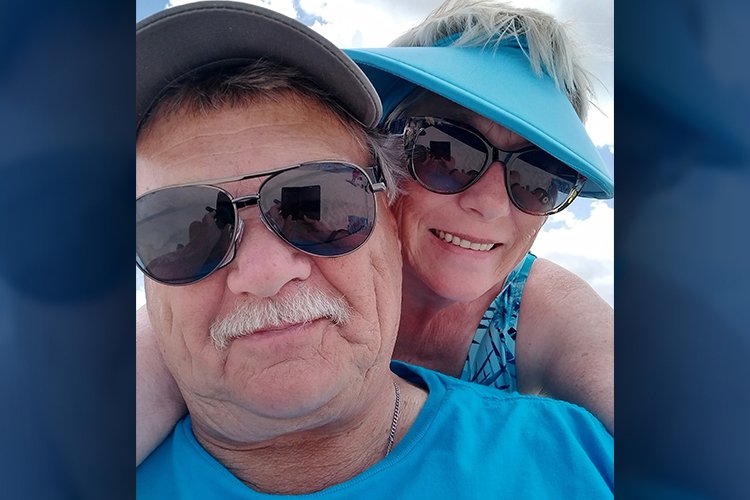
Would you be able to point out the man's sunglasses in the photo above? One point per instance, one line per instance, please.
(186, 232)
(448, 157)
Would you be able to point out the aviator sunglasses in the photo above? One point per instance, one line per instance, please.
(448, 157)
(186, 232)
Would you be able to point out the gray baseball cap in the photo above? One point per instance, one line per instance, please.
(177, 41)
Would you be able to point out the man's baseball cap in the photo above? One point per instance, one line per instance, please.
(497, 83)
(180, 40)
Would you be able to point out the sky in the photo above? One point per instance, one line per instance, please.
(581, 238)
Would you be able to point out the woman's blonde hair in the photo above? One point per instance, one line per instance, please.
(486, 23)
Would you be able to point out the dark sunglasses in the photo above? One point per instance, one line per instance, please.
(186, 232)
(448, 157)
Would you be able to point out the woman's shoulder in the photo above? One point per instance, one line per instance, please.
(550, 288)
(561, 316)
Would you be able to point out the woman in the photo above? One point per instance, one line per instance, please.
(466, 87)
(470, 104)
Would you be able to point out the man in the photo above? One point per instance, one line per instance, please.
(278, 334)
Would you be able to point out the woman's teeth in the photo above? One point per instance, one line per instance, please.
(459, 242)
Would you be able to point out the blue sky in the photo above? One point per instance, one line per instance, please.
(581, 238)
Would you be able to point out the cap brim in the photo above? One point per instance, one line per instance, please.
(510, 94)
(179, 40)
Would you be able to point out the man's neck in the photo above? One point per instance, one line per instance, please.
(312, 460)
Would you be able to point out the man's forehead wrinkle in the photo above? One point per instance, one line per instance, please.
(233, 152)
(193, 139)
(250, 125)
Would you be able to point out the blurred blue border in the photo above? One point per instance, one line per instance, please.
(681, 273)
(66, 334)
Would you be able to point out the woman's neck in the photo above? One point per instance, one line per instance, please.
(436, 332)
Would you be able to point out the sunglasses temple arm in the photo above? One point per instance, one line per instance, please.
(396, 127)
(376, 178)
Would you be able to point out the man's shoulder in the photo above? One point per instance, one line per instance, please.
(156, 476)
(491, 428)
(494, 408)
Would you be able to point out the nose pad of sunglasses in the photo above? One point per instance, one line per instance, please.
(241, 231)
(233, 248)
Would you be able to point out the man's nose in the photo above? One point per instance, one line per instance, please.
(263, 263)
(488, 198)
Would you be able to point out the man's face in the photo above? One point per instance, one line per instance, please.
(296, 373)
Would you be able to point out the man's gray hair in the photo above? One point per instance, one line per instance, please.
(486, 23)
(219, 88)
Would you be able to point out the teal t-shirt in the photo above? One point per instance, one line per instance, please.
(468, 442)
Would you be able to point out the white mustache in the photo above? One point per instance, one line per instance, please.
(305, 305)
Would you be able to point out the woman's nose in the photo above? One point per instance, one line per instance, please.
(488, 197)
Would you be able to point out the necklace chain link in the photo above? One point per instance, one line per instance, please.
(394, 422)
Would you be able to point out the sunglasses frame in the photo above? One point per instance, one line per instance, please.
(411, 127)
(373, 174)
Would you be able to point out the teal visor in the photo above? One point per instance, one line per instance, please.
(510, 94)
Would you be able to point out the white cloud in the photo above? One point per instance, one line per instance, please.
(285, 7)
(352, 23)
(375, 23)
(600, 124)
(591, 23)
(362, 23)
(584, 246)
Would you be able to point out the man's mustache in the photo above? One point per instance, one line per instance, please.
(304, 305)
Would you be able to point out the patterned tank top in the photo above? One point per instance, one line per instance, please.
(492, 354)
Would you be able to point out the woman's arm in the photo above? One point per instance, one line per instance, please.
(159, 404)
(565, 343)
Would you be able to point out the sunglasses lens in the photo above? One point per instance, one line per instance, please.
(324, 209)
(446, 159)
(539, 183)
(183, 233)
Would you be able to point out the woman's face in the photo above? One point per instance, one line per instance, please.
(488, 234)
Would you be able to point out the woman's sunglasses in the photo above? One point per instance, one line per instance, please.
(447, 157)
(186, 232)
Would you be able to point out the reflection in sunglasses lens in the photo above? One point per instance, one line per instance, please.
(446, 158)
(183, 233)
(540, 183)
(326, 211)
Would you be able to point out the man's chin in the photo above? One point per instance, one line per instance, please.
(281, 395)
